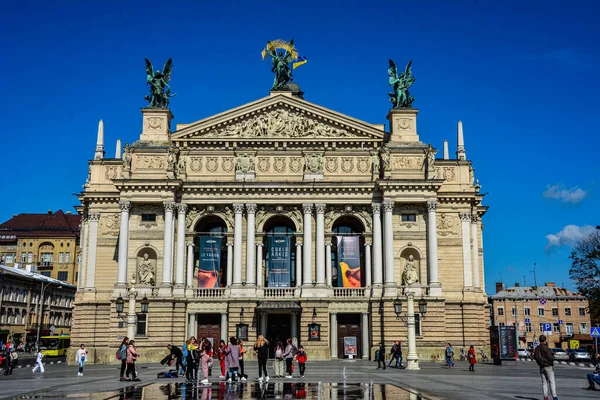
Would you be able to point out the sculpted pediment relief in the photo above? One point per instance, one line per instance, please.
(279, 117)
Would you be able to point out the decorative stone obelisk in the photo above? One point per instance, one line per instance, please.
(99, 153)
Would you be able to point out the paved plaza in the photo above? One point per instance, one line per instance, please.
(433, 381)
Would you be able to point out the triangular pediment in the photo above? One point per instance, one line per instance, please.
(279, 117)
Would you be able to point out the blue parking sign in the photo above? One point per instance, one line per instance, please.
(527, 320)
(547, 327)
(560, 321)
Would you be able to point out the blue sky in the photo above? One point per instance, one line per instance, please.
(520, 75)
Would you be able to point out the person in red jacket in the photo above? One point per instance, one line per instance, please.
(222, 354)
(472, 359)
(301, 357)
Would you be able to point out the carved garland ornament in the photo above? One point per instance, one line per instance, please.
(296, 164)
(150, 162)
(408, 163)
(331, 164)
(363, 164)
(347, 164)
(448, 173)
(111, 172)
(264, 164)
(111, 224)
(212, 164)
(279, 164)
(196, 164)
(227, 164)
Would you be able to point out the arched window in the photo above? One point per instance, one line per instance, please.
(347, 253)
(280, 253)
(211, 256)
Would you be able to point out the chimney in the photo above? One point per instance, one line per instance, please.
(68, 212)
(517, 284)
(49, 212)
(499, 287)
(551, 284)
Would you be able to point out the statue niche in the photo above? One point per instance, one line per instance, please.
(146, 267)
(411, 267)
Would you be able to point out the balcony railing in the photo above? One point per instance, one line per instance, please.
(279, 292)
(349, 292)
(210, 293)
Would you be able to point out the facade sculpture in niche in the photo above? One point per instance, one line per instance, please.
(410, 274)
(127, 157)
(172, 158)
(430, 153)
(181, 170)
(385, 158)
(146, 270)
(245, 163)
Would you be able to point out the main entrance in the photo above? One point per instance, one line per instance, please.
(209, 326)
(279, 329)
(349, 326)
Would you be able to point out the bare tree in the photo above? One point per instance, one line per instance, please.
(585, 271)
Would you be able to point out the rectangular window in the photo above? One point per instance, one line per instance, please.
(555, 311)
(409, 217)
(148, 217)
(45, 273)
(9, 258)
(568, 311)
(67, 256)
(541, 327)
(141, 324)
(582, 311)
(540, 312)
(583, 327)
(513, 311)
(76, 276)
(556, 327)
(528, 327)
(63, 276)
(569, 326)
(61, 257)
(500, 310)
(23, 257)
(527, 311)
(47, 259)
(29, 257)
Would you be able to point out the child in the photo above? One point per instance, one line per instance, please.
(39, 363)
(301, 357)
(81, 358)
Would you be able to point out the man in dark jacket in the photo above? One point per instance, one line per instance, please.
(176, 353)
(545, 359)
(381, 356)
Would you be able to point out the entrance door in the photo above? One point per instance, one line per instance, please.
(348, 325)
(279, 329)
(209, 326)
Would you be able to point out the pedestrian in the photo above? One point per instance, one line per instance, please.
(381, 356)
(462, 354)
(4, 361)
(184, 353)
(399, 355)
(81, 358)
(279, 361)
(132, 355)
(122, 355)
(472, 358)
(243, 376)
(176, 354)
(449, 353)
(261, 347)
(232, 359)
(301, 357)
(39, 364)
(14, 361)
(594, 377)
(193, 358)
(222, 347)
(545, 359)
(288, 355)
(393, 354)
(205, 355)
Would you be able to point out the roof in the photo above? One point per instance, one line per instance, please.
(42, 225)
(536, 292)
(24, 274)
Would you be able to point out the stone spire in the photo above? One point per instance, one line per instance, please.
(446, 153)
(461, 154)
(99, 154)
(118, 150)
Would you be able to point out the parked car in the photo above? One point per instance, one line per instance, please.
(523, 353)
(578, 355)
(560, 354)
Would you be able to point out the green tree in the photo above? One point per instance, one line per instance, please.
(585, 271)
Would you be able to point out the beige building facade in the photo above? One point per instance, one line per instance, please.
(283, 185)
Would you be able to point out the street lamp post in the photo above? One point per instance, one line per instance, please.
(40, 316)
(131, 317)
(412, 359)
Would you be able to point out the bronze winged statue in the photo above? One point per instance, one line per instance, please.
(401, 97)
(281, 61)
(160, 91)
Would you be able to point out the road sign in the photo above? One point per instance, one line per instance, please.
(536, 344)
(595, 332)
(560, 321)
(547, 328)
(573, 344)
(527, 320)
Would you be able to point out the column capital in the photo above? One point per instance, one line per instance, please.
(388, 205)
(169, 205)
(320, 208)
(229, 244)
(432, 205)
(474, 218)
(182, 208)
(376, 208)
(465, 216)
(94, 216)
(238, 208)
(125, 205)
(190, 244)
(251, 208)
(307, 208)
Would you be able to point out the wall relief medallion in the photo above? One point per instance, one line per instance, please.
(212, 164)
(111, 224)
(111, 172)
(347, 164)
(196, 164)
(227, 164)
(331, 164)
(264, 164)
(408, 162)
(150, 162)
(448, 174)
(244, 163)
(363, 164)
(446, 224)
(279, 164)
(154, 123)
(405, 124)
(280, 123)
(313, 164)
(296, 164)
(193, 215)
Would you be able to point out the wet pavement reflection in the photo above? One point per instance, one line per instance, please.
(252, 390)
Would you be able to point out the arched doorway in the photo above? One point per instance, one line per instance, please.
(211, 256)
(347, 253)
(280, 253)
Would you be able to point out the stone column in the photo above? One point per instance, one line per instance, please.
(123, 243)
(229, 263)
(377, 246)
(298, 264)
(294, 325)
(364, 335)
(412, 359)
(368, 264)
(90, 273)
(192, 325)
(190, 265)
(388, 237)
(259, 265)
(333, 335)
(475, 252)
(131, 315)
(82, 262)
(465, 218)
(307, 265)
(328, 264)
(238, 209)
(432, 249)
(250, 245)
(320, 243)
(224, 327)
(179, 267)
(167, 272)
(262, 329)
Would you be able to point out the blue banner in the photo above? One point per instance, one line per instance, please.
(348, 258)
(210, 261)
(279, 261)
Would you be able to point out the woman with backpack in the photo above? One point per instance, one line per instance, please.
(288, 355)
(232, 359)
(122, 355)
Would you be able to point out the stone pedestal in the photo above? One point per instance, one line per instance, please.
(403, 125)
(156, 125)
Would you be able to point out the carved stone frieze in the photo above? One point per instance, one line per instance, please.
(150, 162)
(264, 164)
(212, 163)
(244, 163)
(227, 164)
(110, 224)
(279, 164)
(347, 164)
(407, 162)
(331, 164)
(448, 174)
(446, 224)
(313, 164)
(296, 164)
(111, 172)
(280, 123)
(154, 123)
(196, 164)
(362, 164)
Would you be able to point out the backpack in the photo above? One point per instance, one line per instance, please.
(14, 356)
(294, 350)
(121, 354)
